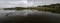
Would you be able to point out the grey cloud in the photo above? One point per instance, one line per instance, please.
(14, 3)
(10, 0)
(44, 2)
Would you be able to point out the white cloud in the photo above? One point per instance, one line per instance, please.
(43, 2)
(12, 3)
(18, 2)
(24, 3)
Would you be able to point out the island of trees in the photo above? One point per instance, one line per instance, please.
(50, 8)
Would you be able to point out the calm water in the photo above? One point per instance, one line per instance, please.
(24, 12)
(12, 13)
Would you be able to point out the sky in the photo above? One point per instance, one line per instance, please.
(25, 3)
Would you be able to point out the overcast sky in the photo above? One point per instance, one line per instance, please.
(25, 3)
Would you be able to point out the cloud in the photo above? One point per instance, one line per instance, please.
(10, 3)
(44, 2)
(25, 3)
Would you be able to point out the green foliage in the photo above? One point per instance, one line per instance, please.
(51, 8)
(16, 8)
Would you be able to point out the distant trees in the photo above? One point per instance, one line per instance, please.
(19, 8)
(9, 9)
(52, 8)
(16, 8)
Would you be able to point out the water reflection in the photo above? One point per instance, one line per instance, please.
(24, 12)
(26, 16)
